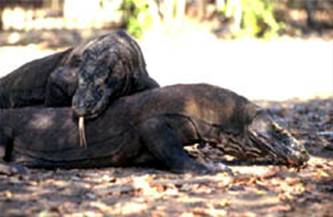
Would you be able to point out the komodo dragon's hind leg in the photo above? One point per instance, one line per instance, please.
(164, 143)
(7, 145)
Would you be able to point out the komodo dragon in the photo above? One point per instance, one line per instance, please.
(149, 128)
(88, 77)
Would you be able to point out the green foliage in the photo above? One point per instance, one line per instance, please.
(137, 16)
(254, 18)
(257, 18)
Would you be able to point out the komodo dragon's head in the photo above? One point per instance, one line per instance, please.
(265, 139)
(107, 66)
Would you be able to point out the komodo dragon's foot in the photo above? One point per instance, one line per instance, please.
(218, 168)
(203, 168)
(13, 169)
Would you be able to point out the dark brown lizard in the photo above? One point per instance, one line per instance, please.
(149, 128)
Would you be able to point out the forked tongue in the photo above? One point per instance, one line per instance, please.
(82, 133)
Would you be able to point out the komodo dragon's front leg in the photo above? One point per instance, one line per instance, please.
(165, 138)
(61, 86)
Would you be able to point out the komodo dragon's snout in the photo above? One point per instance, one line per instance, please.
(265, 139)
(277, 143)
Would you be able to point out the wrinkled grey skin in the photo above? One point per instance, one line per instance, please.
(109, 67)
(149, 128)
(88, 77)
(27, 85)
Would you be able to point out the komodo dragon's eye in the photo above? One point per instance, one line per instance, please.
(75, 61)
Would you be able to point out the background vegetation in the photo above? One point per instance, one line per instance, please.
(231, 18)
(237, 18)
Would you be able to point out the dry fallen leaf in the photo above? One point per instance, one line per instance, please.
(8, 195)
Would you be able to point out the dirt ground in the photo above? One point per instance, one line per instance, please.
(252, 190)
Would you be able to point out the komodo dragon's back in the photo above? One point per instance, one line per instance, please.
(209, 103)
(26, 85)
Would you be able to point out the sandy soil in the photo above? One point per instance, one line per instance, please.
(278, 69)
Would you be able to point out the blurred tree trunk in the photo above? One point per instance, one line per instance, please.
(201, 9)
(55, 5)
(310, 7)
(234, 10)
(174, 10)
(180, 9)
(1, 24)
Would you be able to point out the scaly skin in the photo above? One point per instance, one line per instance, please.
(26, 86)
(148, 128)
(88, 77)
